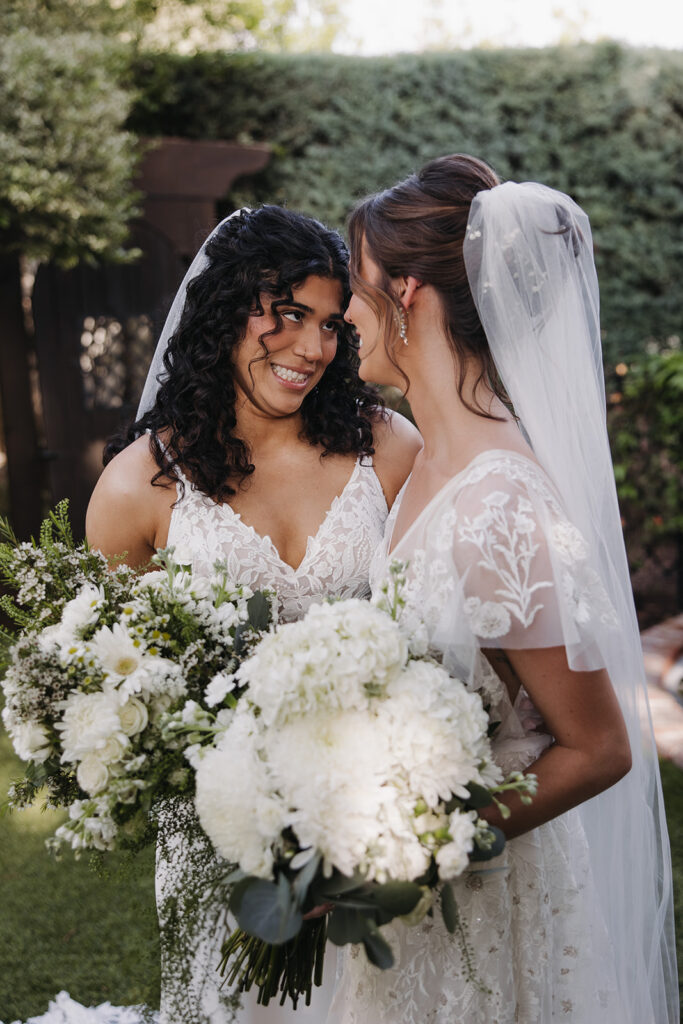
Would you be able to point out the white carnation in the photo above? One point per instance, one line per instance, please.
(218, 688)
(234, 802)
(88, 722)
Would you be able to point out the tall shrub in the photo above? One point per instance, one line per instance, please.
(602, 122)
(66, 159)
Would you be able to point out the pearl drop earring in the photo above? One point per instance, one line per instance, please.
(402, 324)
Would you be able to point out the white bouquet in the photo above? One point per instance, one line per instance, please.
(356, 776)
(101, 661)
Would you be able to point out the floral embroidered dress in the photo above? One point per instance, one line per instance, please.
(336, 564)
(494, 563)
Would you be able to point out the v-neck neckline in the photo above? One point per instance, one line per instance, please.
(390, 547)
(312, 538)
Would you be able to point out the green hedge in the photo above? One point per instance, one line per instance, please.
(602, 122)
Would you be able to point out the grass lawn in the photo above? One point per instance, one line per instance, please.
(63, 926)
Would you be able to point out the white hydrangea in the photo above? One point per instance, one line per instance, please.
(340, 739)
(327, 660)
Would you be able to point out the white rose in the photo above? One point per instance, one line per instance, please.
(30, 741)
(92, 774)
(133, 716)
(110, 750)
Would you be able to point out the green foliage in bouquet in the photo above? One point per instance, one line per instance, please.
(363, 769)
(45, 574)
(97, 663)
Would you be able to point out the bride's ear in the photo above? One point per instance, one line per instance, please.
(408, 286)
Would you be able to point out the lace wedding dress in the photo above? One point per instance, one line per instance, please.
(336, 564)
(493, 562)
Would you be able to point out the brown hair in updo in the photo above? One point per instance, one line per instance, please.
(417, 228)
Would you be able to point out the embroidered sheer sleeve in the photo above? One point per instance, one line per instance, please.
(522, 573)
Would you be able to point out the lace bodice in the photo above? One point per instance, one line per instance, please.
(494, 562)
(337, 558)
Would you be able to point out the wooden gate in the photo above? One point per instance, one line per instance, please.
(95, 331)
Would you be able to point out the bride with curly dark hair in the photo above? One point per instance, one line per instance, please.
(256, 444)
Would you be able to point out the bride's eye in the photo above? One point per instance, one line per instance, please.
(295, 315)
(332, 326)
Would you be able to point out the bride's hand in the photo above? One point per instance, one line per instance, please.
(324, 908)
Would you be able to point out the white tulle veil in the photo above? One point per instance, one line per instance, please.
(156, 368)
(529, 259)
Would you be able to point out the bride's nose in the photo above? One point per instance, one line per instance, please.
(309, 344)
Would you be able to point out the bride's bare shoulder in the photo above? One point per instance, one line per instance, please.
(127, 513)
(397, 441)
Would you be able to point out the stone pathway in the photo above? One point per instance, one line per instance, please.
(663, 657)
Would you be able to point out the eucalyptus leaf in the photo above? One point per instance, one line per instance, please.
(479, 796)
(347, 926)
(398, 898)
(378, 950)
(258, 608)
(480, 853)
(266, 912)
(338, 884)
(449, 908)
(239, 890)
(235, 876)
(304, 878)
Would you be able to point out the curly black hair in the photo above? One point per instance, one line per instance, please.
(269, 251)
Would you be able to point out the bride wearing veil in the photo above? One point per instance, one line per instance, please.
(480, 300)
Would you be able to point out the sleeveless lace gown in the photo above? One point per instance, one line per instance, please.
(492, 562)
(336, 564)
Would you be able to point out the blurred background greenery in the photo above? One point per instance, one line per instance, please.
(84, 82)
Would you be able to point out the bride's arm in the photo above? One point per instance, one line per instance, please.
(591, 750)
(396, 443)
(127, 515)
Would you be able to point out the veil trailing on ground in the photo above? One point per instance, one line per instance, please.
(529, 259)
(156, 369)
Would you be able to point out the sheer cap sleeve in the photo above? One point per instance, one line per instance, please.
(522, 576)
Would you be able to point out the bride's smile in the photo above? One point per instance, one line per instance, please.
(287, 348)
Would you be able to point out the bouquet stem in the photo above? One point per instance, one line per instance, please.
(291, 968)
